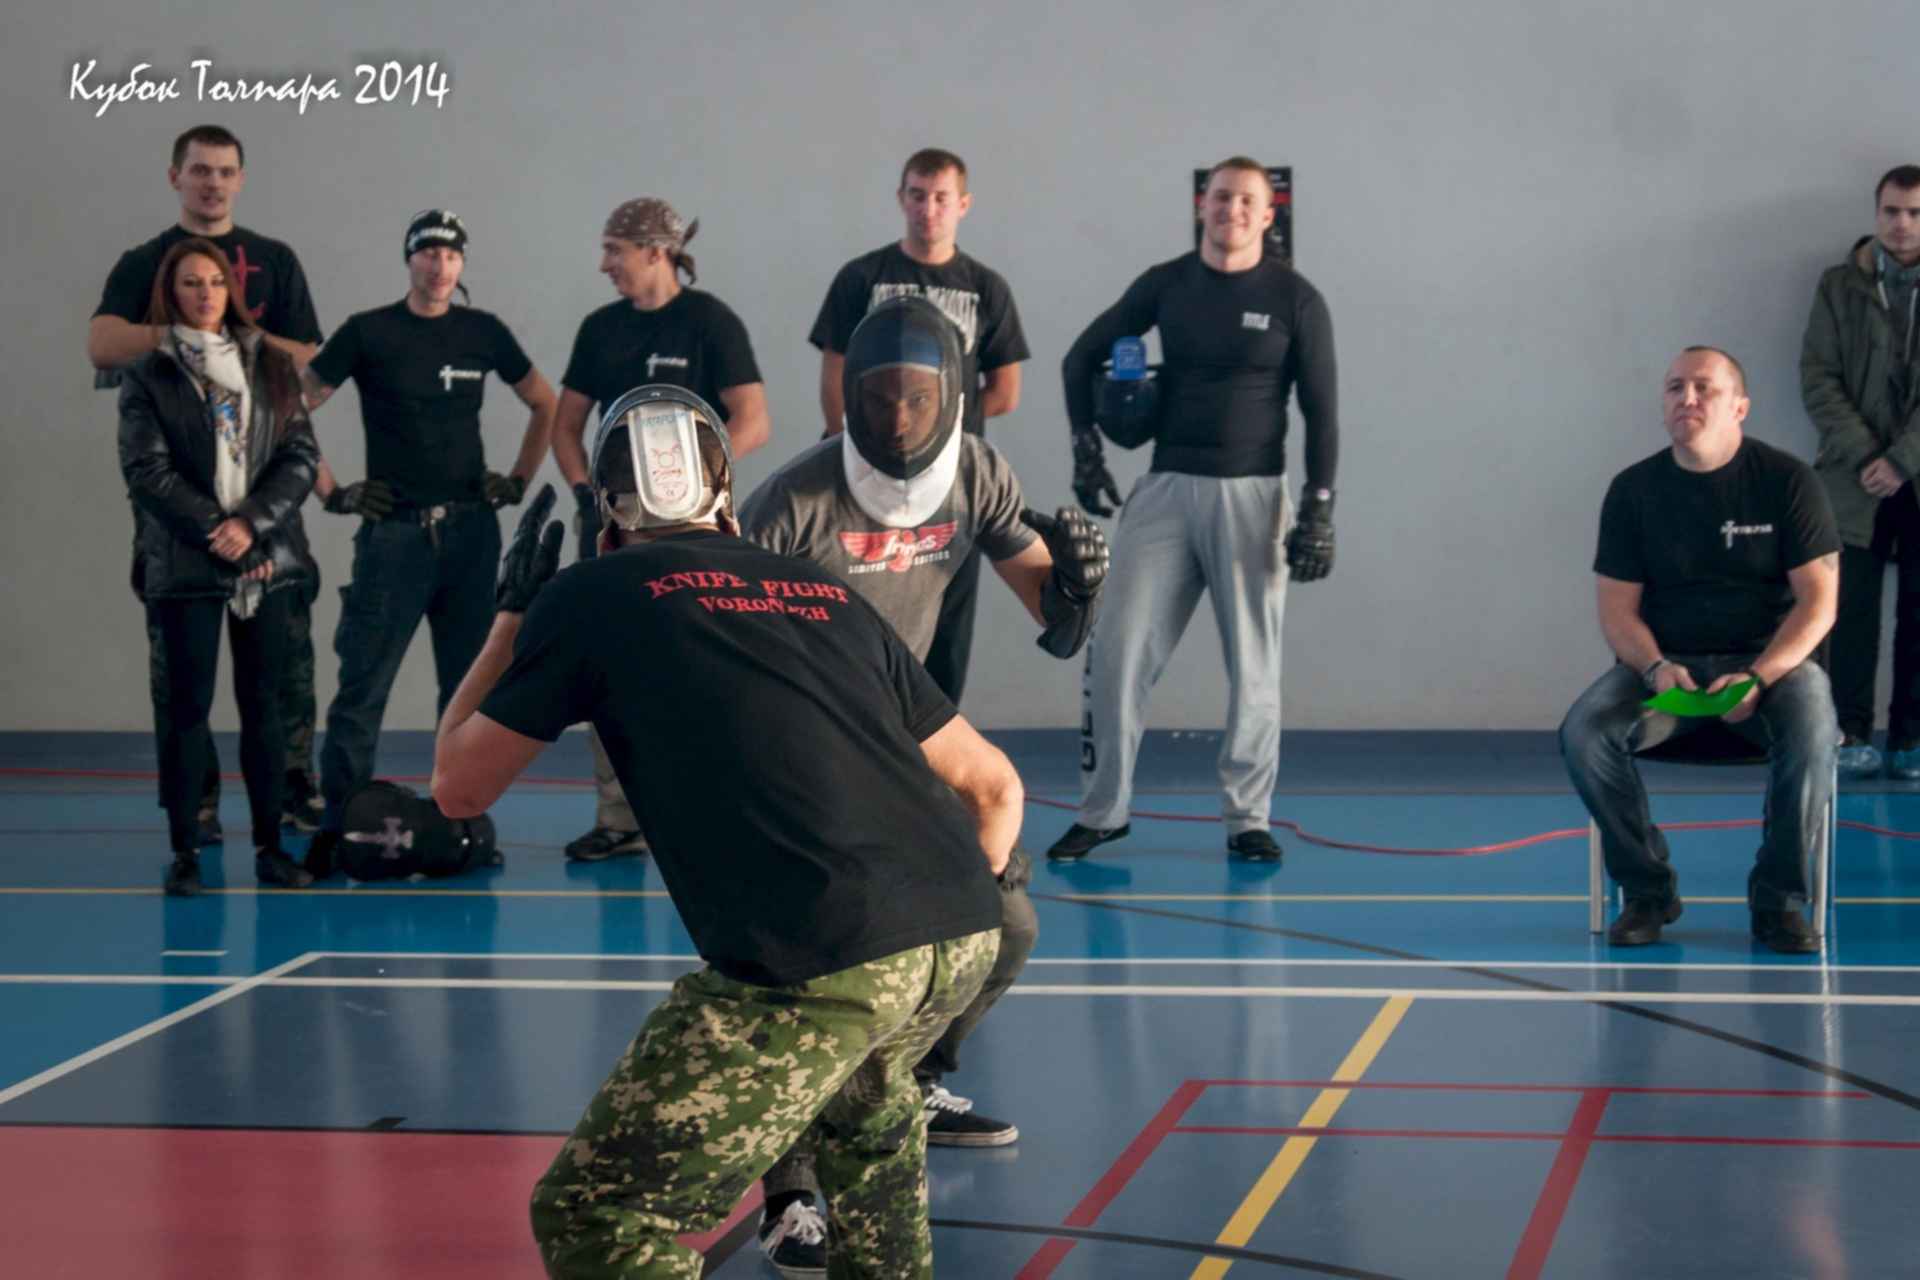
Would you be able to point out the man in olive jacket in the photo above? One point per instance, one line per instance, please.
(1861, 386)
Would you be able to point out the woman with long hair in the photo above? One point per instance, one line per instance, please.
(217, 453)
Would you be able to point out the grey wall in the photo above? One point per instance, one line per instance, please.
(1517, 211)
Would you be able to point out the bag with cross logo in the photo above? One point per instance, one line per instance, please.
(391, 832)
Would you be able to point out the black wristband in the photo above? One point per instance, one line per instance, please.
(1647, 672)
(1759, 680)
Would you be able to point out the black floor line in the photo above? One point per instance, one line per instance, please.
(1831, 1072)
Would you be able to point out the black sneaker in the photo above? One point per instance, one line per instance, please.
(1080, 841)
(1257, 845)
(952, 1122)
(1785, 931)
(209, 832)
(1640, 921)
(301, 807)
(320, 850)
(602, 843)
(272, 867)
(183, 877)
(796, 1241)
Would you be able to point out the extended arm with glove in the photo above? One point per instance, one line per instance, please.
(370, 498)
(1310, 541)
(1070, 600)
(532, 557)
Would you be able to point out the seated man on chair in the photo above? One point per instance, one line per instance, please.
(1718, 562)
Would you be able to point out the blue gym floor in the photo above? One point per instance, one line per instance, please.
(1355, 1064)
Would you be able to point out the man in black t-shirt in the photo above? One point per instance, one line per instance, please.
(207, 171)
(825, 821)
(657, 331)
(926, 262)
(1718, 564)
(429, 540)
(1240, 333)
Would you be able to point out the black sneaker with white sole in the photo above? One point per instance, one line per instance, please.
(796, 1241)
(952, 1122)
(1079, 841)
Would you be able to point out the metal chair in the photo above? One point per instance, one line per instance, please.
(1716, 745)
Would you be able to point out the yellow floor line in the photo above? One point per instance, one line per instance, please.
(1266, 1192)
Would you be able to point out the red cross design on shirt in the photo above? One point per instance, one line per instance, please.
(243, 269)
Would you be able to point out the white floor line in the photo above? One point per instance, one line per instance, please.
(1245, 961)
(192, 953)
(1496, 995)
(152, 1028)
(120, 979)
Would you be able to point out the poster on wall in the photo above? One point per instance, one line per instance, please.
(1280, 234)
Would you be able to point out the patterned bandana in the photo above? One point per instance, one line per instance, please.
(651, 223)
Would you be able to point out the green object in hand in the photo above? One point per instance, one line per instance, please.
(1687, 702)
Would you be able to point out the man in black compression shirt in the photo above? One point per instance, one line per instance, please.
(1239, 332)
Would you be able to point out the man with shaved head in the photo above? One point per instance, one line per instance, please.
(1718, 565)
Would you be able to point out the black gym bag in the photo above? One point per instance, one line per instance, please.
(391, 832)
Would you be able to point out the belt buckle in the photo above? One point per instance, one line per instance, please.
(433, 515)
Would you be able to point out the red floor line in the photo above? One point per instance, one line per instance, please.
(1051, 1254)
(1483, 1087)
(1531, 1257)
(1524, 1135)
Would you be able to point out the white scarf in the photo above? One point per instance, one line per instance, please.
(212, 361)
(900, 504)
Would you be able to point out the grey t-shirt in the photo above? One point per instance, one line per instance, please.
(805, 509)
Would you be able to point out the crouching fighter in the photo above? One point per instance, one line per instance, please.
(827, 825)
(895, 505)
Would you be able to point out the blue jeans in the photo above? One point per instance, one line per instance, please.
(1794, 724)
(403, 571)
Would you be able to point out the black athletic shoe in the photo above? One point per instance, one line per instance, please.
(796, 1241)
(1640, 921)
(952, 1122)
(1080, 841)
(208, 821)
(183, 877)
(274, 868)
(301, 807)
(319, 860)
(1257, 845)
(602, 843)
(1785, 931)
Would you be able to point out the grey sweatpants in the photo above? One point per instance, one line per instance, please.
(1180, 535)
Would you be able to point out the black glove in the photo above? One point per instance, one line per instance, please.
(1070, 597)
(1078, 548)
(1019, 871)
(370, 498)
(503, 491)
(532, 557)
(1091, 479)
(587, 524)
(1310, 541)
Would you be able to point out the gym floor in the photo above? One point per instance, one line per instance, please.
(1413, 1064)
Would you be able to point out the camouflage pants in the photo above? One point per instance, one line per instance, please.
(724, 1077)
(297, 706)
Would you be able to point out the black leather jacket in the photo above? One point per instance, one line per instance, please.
(167, 456)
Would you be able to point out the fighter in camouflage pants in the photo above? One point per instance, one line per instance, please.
(723, 1078)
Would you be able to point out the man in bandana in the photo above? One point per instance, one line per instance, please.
(658, 330)
(1861, 386)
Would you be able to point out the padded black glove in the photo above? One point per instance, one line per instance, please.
(503, 491)
(587, 523)
(1070, 598)
(370, 498)
(1091, 479)
(532, 557)
(1310, 541)
(1019, 872)
(1078, 548)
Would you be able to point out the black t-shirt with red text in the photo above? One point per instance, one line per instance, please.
(766, 723)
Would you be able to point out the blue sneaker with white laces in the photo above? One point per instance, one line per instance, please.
(1859, 758)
